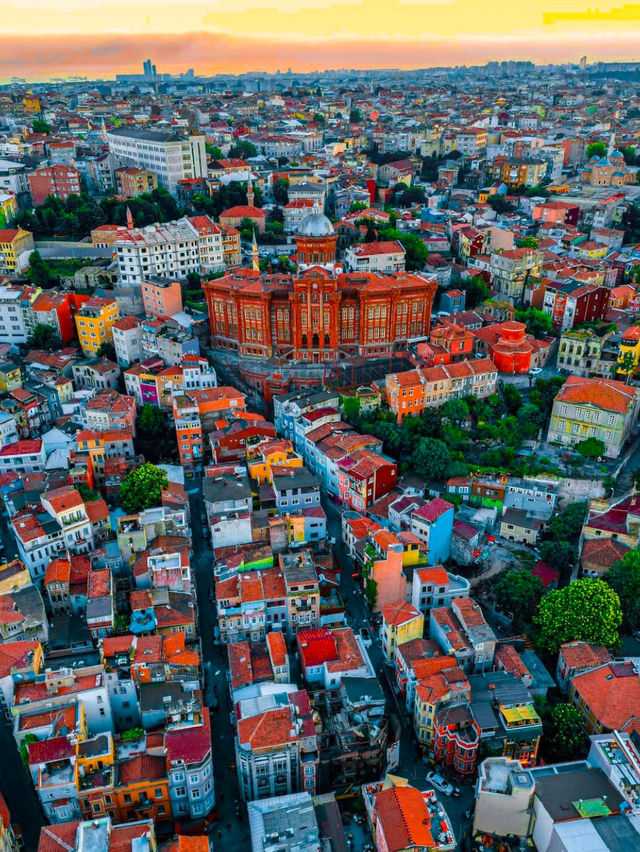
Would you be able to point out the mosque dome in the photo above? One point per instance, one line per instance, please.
(315, 225)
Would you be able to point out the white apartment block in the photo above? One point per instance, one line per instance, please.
(169, 250)
(171, 156)
(14, 306)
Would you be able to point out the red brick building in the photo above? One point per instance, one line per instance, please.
(317, 316)
(61, 181)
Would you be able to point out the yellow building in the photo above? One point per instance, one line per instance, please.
(414, 552)
(13, 576)
(10, 376)
(13, 243)
(8, 208)
(32, 103)
(94, 322)
(401, 622)
(629, 346)
(269, 454)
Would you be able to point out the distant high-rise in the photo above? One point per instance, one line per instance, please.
(149, 70)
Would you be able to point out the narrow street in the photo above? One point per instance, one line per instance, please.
(229, 832)
(411, 765)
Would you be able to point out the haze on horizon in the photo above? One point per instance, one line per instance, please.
(102, 37)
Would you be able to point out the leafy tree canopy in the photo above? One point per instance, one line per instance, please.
(431, 458)
(624, 579)
(519, 592)
(143, 488)
(587, 610)
(44, 337)
(416, 252)
(596, 149)
(538, 323)
(151, 420)
(564, 735)
(591, 448)
(243, 149)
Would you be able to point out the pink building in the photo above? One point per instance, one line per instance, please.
(162, 297)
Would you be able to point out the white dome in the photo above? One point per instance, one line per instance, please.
(315, 225)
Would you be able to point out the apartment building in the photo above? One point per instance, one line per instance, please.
(386, 256)
(511, 272)
(94, 322)
(604, 409)
(171, 156)
(127, 340)
(132, 182)
(410, 392)
(59, 180)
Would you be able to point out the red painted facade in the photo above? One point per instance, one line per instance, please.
(317, 316)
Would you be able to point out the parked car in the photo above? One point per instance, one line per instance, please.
(440, 783)
(366, 637)
(535, 371)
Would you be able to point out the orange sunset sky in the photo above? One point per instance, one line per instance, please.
(98, 38)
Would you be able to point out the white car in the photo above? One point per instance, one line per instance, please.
(535, 371)
(440, 783)
(366, 637)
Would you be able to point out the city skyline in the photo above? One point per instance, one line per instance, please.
(98, 39)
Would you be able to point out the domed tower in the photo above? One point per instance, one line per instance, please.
(316, 241)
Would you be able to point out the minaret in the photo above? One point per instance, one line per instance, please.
(129, 218)
(103, 131)
(255, 257)
(612, 144)
(250, 195)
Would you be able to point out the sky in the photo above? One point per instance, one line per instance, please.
(101, 37)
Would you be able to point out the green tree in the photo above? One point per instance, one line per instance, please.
(355, 117)
(151, 420)
(475, 289)
(44, 337)
(519, 592)
(320, 119)
(626, 365)
(39, 271)
(567, 525)
(142, 488)
(40, 126)
(410, 196)
(194, 279)
(357, 206)
(214, 152)
(527, 242)
(416, 252)
(564, 735)
(560, 554)
(596, 149)
(87, 494)
(431, 458)
(107, 350)
(243, 149)
(591, 448)
(538, 323)
(456, 410)
(624, 579)
(24, 748)
(587, 610)
(511, 397)
(281, 191)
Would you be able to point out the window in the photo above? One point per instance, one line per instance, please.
(127, 798)
(181, 791)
